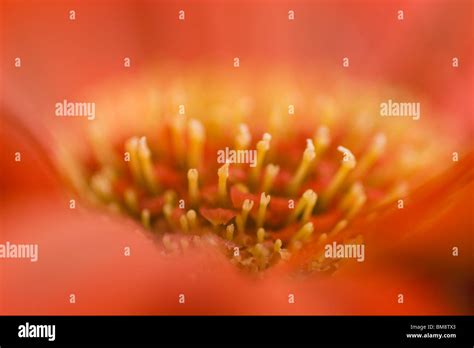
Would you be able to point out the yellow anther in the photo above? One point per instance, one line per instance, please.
(183, 222)
(131, 200)
(310, 198)
(146, 165)
(348, 163)
(229, 232)
(303, 233)
(262, 148)
(193, 187)
(145, 217)
(223, 173)
(308, 156)
(260, 235)
(196, 143)
(131, 146)
(262, 209)
(192, 218)
(368, 159)
(177, 136)
(277, 246)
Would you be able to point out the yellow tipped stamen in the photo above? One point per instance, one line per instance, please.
(277, 246)
(304, 233)
(300, 206)
(223, 173)
(167, 211)
(399, 191)
(338, 228)
(177, 136)
(145, 217)
(229, 232)
(131, 200)
(310, 197)
(144, 156)
(262, 209)
(192, 219)
(260, 235)
(321, 141)
(308, 156)
(183, 223)
(240, 224)
(271, 171)
(243, 138)
(348, 163)
(131, 146)
(262, 148)
(247, 206)
(356, 206)
(102, 186)
(356, 190)
(193, 186)
(169, 197)
(196, 143)
(375, 151)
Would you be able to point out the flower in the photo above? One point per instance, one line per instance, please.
(333, 171)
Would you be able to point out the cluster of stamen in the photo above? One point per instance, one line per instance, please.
(235, 209)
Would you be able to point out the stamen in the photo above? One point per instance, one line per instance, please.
(144, 156)
(145, 217)
(355, 208)
(367, 161)
(262, 209)
(243, 138)
(348, 163)
(300, 205)
(399, 191)
(131, 146)
(262, 148)
(271, 171)
(241, 219)
(277, 246)
(260, 235)
(192, 219)
(321, 141)
(167, 210)
(338, 228)
(193, 186)
(196, 143)
(310, 197)
(131, 200)
(101, 185)
(356, 190)
(308, 157)
(304, 233)
(177, 136)
(183, 222)
(169, 197)
(223, 173)
(229, 232)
